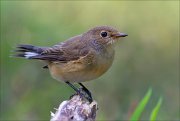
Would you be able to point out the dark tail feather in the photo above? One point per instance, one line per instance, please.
(27, 51)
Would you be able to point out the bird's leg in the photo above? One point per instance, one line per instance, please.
(87, 91)
(79, 91)
(74, 88)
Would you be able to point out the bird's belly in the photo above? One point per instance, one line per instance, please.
(77, 72)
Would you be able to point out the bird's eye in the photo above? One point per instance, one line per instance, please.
(104, 34)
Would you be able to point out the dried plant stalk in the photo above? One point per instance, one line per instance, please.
(75, 109)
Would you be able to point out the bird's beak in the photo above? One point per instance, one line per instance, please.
(120, 35)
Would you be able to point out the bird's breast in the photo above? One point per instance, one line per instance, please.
(79, 71)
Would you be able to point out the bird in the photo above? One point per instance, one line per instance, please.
(81, 58)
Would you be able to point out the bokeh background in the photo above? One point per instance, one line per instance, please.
(148, 57)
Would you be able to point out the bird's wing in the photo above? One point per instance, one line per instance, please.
(69, 50)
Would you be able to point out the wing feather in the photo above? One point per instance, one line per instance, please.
(69, 50)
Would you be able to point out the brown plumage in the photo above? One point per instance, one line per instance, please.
(80, 58)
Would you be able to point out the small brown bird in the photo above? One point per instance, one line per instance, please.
(81, 58)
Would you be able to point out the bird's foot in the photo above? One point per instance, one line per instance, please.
(82, 95)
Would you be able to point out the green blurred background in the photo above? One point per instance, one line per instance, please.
(148, 57)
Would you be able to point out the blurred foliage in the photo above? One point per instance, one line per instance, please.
(141, 106)
(155, 110)
(137, 113)
(148, 57)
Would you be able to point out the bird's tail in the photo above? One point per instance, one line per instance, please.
(27, 51)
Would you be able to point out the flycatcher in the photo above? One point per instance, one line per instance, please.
(81, 58)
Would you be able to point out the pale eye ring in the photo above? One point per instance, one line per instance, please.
(104, 34)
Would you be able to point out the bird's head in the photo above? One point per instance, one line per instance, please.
(104, 35)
